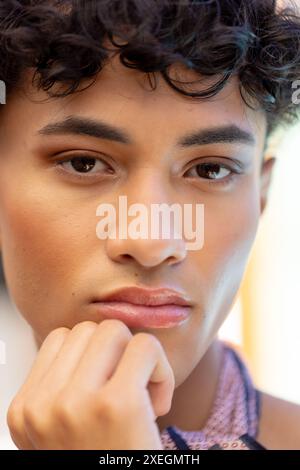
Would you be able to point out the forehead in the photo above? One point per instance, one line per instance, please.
(124, 98)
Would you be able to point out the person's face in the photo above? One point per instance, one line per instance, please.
(55, 264)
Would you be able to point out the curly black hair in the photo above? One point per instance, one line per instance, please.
(67, 41)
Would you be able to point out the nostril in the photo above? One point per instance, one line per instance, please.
(172, 260)
(125, 257)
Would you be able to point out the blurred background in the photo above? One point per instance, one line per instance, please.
(264, 323)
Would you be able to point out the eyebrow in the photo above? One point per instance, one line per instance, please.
(76, 125)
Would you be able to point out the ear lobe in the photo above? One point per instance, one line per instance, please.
(266, 177)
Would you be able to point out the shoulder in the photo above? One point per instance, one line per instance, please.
(279, 425)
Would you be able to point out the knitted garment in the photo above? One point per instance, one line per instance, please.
(234, 417)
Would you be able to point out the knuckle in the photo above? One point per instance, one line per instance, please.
(85, 325)
(113, 406)
(14, 415)
(34, 420)
(64, 411)
(57, 333)
(110, 408)
(31, 415)
(115, 327)
(146, 341)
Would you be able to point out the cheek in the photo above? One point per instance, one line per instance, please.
(231, 228)
(45, 242)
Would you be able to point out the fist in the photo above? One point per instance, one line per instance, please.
(95, 386)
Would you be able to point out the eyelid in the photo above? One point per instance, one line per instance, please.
(70, 154)
(88, 177)
(227, 162)
(235, 168)
(102, 158)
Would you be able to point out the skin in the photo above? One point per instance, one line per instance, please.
(54, 264)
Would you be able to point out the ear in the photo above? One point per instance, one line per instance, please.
(266, 176)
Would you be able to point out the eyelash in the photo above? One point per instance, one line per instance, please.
(84, 176)
(234, 172)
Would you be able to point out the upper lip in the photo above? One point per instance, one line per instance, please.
(142, 296)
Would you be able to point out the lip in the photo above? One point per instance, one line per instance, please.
(149, 308)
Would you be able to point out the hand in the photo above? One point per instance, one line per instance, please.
(95, 386)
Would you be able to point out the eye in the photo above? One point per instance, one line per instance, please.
(84, 167)
(210, 171)
(84, 164)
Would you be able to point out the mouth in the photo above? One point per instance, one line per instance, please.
(144, 308)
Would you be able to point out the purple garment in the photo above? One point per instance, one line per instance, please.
(234, 417)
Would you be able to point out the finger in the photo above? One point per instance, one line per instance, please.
(67, 359)
(56, 374)
(45, 357)
(101, 356)
(144, 365)
(17, 429)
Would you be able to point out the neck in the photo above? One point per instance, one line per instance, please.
(193, 399)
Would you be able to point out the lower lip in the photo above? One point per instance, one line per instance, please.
(142, 316)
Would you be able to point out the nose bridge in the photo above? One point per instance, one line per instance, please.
(149, 193)
(145, 230)
(148, 185)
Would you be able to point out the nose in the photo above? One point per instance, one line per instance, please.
(145, 246)
(148, 253)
